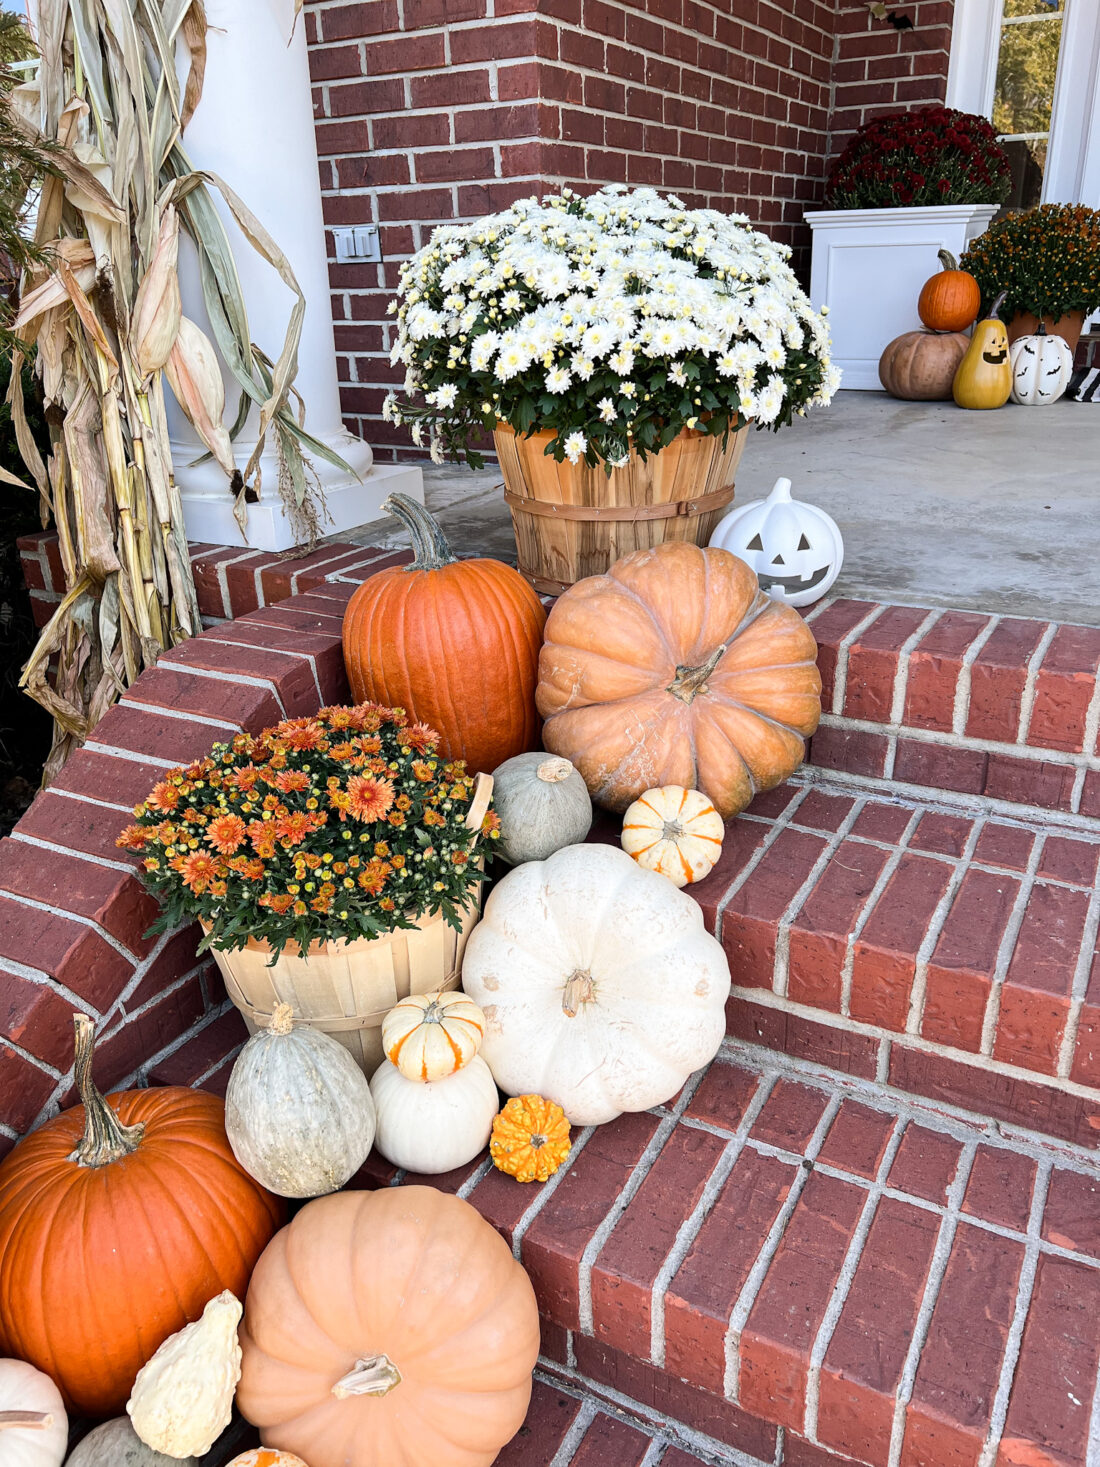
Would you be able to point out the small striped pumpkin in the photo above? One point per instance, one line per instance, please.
(429, 1036)
(674, 831)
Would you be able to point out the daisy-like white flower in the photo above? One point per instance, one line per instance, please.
(608, 410)
(443, 397)
(576, 446)
(677, 374)
(557, 380)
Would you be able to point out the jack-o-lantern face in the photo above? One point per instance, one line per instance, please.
(794, 548)
(995, 347)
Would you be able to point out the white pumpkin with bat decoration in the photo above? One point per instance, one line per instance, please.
(795, 548)
(1041, 368)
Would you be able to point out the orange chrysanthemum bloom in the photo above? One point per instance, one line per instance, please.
(226, 833)
(164, 797)
(245, 779)
(276, 903)
(373, 876)
(420, 737)
(197, 871)
(289, 780)
(133, 838)
(293, 829)
(421, 770)
(306, 735)
(370, 798)
(262, 837)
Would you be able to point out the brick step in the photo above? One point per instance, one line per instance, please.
(951, 954)
(780, 1255)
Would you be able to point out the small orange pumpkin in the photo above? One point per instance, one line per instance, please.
(530, 1138)
(266, 1457)
(949, 301)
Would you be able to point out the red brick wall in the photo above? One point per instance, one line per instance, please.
(878, 69)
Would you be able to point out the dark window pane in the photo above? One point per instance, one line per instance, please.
(1027, 159)
(1026, 69)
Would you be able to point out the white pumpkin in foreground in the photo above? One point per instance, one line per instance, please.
(298, 1111)
(433, 1126)
(117, 1444)
(601, 988)
(182, 1399)
(674, 831)
(34, 1429)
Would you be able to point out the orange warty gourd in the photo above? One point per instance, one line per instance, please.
(119, 1220)
(949, 301)
(453, 642)
(388, 1329)
(675, 668)
(530, 1138)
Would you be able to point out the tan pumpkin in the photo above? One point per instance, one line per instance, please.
(920, 366)
(675, 668)
(388, 1329)
(675, 832)
(431, 1035)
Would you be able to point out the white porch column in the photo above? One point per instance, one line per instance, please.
(254, 128)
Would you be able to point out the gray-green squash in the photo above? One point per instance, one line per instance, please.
(543, 804)
(117, 1444)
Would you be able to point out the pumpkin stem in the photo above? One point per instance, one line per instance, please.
(579, 990)
(947, 260)
(553, 771)
(105, 1138)
(374, 1375)
(430, 548)
(692, 680)
(996, 306)
(26, 1420)
(282, 1019)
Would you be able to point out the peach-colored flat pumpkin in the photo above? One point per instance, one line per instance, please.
(674, 668)
(388, 1329)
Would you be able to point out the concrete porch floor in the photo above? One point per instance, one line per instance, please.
(996, 511)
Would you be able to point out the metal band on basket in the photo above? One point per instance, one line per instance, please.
(621, 513)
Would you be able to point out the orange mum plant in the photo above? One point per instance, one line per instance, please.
(344, 825)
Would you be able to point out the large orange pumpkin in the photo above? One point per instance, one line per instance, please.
(675, 668)
(949, 301)
(453, 642)
(388, 1329)
(119, 1221)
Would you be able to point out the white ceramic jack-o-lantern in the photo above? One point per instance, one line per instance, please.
(794, 548)
(1041, 368)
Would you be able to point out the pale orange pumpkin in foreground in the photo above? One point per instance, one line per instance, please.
(675, 668)
(388, 1329)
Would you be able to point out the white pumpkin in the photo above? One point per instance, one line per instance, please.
(674, 831)
(795, 548)
(429, 1036)
(182, 1399)
(1041, 368)
(543, 804)
(34, 1429)
(601, 988)
(298, 1111)
(433, 1126)
(117, 1444)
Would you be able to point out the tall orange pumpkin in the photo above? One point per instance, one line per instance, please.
(949, 301)
(675, 668)
(119, 1220)
(388, 1329)
(453, 642)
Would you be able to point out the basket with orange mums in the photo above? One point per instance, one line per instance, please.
(311, 841)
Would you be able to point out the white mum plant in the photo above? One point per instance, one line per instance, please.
(615, 320)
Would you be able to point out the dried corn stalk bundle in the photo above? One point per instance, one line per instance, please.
(105, 316)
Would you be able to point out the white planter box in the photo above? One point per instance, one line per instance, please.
(868, 268)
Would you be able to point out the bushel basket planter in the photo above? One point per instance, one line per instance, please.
(573, 520)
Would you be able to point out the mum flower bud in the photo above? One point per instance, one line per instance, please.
(157, 309)
(196, 381)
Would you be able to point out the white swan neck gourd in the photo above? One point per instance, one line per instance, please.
(182, 1399)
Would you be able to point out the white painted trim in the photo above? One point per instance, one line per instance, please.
(972, 65)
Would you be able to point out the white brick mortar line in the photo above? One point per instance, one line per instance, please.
(1031, 683)
(223, 579)
(881, 883)
(59, 850)
(1007, 947)
(770, 837)
(961, 708)
(831, 1317)
(936, 1269)
(731, 1383)
(76, 917)
(481, 1171)
(689, 1229)
(840, 676)
(131, 755)
(999, 1410)
(780, 966)
(574, 1436)
(901, 677)
(547, 1190)
(243, 679)
(931, 937)
(1033, 753)
(1079, 986)
(629, 1190)
(657, 1449)
(952, 1120)
(253, 647)
(161, 711)
(90, 800)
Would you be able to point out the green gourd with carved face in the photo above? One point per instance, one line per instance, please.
(984, 376)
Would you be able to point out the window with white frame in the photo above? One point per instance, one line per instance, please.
(1029, 42)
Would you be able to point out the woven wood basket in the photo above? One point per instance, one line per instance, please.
(347, 988)
(572, 521)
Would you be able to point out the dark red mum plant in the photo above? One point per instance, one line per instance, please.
(933, 155)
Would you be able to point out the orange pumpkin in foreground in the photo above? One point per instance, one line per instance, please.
(119, 1220)
(453, 642)
(675, 668)
(388, 1329)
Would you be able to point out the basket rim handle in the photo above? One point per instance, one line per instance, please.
(479, 802)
